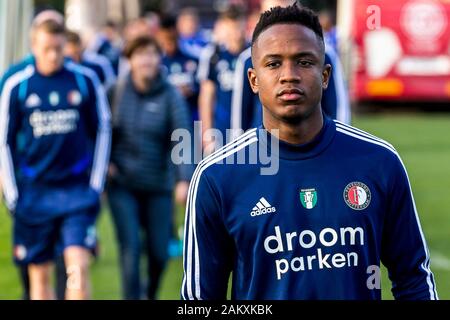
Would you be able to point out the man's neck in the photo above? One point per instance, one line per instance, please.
(45, 71)
(301, 132)
(78, 58)
(173, 53)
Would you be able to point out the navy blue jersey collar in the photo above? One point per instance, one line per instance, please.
(301, 151)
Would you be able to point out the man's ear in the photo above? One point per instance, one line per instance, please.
(253, 79)
(326, 73)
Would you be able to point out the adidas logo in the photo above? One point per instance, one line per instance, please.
(33, 101)
(262, 207)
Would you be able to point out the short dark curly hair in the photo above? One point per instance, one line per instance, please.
(294, 14)
(168, 22)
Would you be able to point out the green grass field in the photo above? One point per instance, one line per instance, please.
(423, 141)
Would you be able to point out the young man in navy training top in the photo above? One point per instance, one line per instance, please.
(339, 205)
(54, 150)
(246, 110)
(43, 16)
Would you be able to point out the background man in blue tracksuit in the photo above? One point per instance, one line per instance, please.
(216, 75)
(55, 139)
(337, 206)
(180, 67)
(99, 64)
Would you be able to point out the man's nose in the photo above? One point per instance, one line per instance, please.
(53, 55)
(290, 73)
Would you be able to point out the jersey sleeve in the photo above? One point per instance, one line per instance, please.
(329, 97)
(208, 256)
(243, 98)
(404, 250)
(205, 69)
(9, 127)
(98, 120)
(108, 72)
(335, 99)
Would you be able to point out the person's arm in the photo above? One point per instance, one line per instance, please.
(403, 249)
(206, 99)
(9, 126)
(113, 96)
(208, 248)
(179, 119)
(206, 102)
(98, 119)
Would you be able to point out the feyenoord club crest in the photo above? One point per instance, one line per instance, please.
(190, 66)
(357, 195)
(308, 198)
(74, 98)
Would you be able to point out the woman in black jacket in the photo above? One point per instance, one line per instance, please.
(146, 110)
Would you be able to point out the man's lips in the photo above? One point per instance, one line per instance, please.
(291, 94)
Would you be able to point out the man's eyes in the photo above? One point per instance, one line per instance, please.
(303, 63)
(273, 64)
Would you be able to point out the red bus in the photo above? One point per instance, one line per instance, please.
(396, 50)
